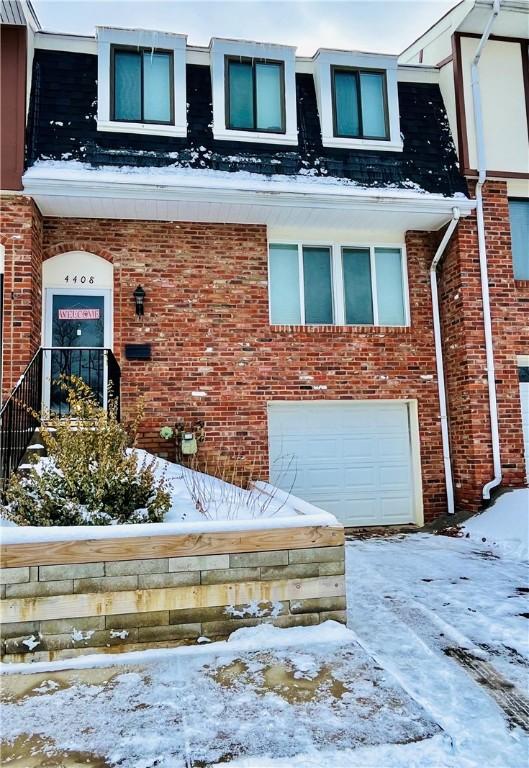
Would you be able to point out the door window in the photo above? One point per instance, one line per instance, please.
(78, 340)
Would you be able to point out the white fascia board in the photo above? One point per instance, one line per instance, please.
(51, 41)
(84, 183)
(219, 49)
(417, 73)
(324, 59)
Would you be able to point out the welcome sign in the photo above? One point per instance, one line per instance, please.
(78, 314)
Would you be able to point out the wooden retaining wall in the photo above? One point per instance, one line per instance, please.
(62, 599)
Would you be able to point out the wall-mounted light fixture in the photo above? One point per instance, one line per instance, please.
(139, 296)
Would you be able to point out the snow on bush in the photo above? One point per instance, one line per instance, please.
(89, 477)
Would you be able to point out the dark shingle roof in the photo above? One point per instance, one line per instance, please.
(62, 125)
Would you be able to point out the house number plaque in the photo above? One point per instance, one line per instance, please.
(82, 279)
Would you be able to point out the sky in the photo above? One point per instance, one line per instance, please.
(369, 25)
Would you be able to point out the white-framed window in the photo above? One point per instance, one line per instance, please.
(358, 100)
(337, 284)
(141, 83)
(519, 219)
(254, 92)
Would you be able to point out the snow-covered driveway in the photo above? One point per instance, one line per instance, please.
(413, 601)
(396, 691)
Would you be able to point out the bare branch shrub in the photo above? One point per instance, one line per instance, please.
(224, 500)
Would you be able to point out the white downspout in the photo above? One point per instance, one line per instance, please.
(439, 361)
(482, 247)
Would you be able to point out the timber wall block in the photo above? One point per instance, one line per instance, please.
(67, 609)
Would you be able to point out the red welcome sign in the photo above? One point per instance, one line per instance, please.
(78, 314)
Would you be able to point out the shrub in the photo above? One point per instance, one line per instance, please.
(89, 476)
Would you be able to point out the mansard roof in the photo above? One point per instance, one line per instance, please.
(62, 126)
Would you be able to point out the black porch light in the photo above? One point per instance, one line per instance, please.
(139, 296)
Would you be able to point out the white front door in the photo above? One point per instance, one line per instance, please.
(354, 458)
(77, 328)
(524, 399)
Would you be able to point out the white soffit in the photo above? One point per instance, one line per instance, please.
(237, 200)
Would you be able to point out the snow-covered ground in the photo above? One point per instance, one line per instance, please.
(385, 694)
(504, 526)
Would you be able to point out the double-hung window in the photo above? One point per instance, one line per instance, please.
(142, 85)
(337, 285)
(359, 104)
(519, 217)
(255, 95)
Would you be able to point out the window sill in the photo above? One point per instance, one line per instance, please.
(344, 143)
(341, 329)
(255, 137)
(147, 129)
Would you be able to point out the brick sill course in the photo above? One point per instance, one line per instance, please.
(397, 330)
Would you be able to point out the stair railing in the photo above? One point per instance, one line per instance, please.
(18, 419)
(20, 414)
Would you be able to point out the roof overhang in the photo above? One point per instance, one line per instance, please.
(238, 198)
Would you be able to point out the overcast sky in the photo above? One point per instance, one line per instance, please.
(369, 25)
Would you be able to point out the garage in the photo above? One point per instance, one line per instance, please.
(356, 459)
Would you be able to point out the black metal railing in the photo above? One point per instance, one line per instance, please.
(39, 389)
(19, 417)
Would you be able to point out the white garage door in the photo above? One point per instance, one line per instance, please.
(353, 459)
(524, 397)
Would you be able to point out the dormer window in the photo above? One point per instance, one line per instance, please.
(141, 82)
(359, 103)
(254, 92)
(142, 85)
(358, 100)
(255, 95)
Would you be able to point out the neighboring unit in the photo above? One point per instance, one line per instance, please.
(482, 52)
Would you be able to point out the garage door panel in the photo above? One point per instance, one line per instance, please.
(394, 508)
(358, 447)
(390, 447)
(350, 458)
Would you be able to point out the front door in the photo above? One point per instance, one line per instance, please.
(76, 334)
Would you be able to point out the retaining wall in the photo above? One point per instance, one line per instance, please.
(61, 599)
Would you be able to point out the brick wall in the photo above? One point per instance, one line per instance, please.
(206, 316)
(21, 235)
(464, 350)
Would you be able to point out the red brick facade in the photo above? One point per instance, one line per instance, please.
(206, 316)
(464, 350)
(21, 236)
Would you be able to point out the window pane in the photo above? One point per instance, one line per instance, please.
(156, 87)
(519, 215)
(346, 104)
(241, 95)
(284, 285)
(268, 96)
(390, 295)
(127, 85)
(373, 110)
(317, 285)
(357, 286)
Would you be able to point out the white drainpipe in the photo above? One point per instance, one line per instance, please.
(439, 360)
(482, 247)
